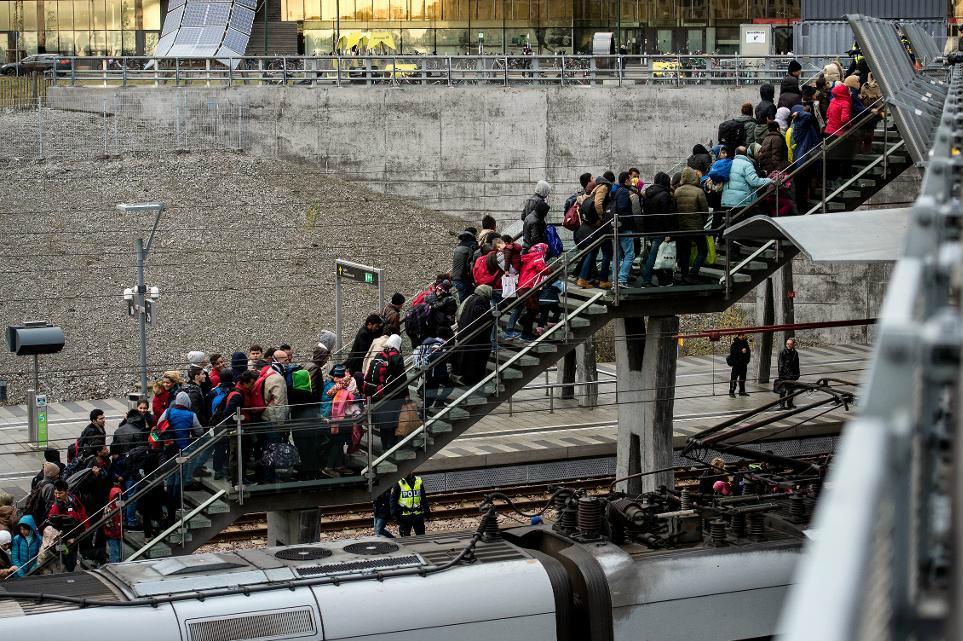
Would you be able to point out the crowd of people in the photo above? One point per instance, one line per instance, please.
(303, 421)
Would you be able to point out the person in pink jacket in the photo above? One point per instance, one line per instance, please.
(530, 276)
(840, 152)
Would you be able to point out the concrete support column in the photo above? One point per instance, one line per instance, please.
(645, 363)
(291, 527)
(566, 375)
(787, 310)
(765, 315)
(587, 374)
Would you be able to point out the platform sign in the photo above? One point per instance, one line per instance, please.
(41, 420)
(365, 274)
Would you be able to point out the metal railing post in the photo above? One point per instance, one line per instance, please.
(619, 68)
(615, 256)
(230, 74)
(678, 71)
(337, 64)
(565, 284)
(180, 478)
(177, 71)
(103, 71)
(885, 142)
(825, 143)
(73, 72)
(123, 84)
(284, 71)
(207, 72)
(562, 77)
(370, 436)
(449, 71)
(728, 253)
(240, 458)
(506, 71)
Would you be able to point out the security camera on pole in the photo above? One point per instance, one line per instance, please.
(140, 299)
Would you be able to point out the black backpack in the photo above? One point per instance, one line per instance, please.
(587, 212)
(35, 505)
(732, 133)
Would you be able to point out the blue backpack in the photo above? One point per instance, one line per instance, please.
(219, 395)
(554, 242)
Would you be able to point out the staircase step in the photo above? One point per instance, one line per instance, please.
(591, 310)
(835, 205)
(439, 427)
(714, 273)
(404, 454)
(419, 440)
(198, 522)
(545, 347)
(198, 497)
(134, 541)
(506, 373)
(578, 322)
(866, 183)
(179, 538)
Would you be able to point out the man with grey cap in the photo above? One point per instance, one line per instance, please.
(533, 216)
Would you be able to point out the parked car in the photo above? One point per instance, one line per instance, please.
(38, 62)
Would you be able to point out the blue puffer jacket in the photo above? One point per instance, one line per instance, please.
(23, 551)
(719, 171)
(743, 181)
(805, 133)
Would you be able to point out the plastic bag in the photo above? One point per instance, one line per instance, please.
(554, 242)
(408, 419)
(509, 285)
(666, 258)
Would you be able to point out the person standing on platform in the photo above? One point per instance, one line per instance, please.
(788, 371)
(738, 360)
(409, 505)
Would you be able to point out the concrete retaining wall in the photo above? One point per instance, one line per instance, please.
(474, 150)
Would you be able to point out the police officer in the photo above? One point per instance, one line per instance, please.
(409, 505)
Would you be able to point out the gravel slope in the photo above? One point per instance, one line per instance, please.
(244, 254)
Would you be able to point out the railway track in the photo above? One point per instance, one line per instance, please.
(445, 505)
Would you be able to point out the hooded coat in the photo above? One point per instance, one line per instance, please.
(23, 550)
(805, 133)
(130, 434)
(840, 110)
(92, 438)
(533, 229)
(690, 202)
(657, 209)
(789, 93)
(773, 154)
(743, 181)
(476, 312)
(701, 159)
(764, 110)
(182, 420)
(533, 267)
(461, 258)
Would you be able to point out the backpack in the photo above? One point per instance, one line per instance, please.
(377, 375)
(218, 412)
(281, 457)
(587, 213)
(421, 296)
(572, 221)
(732, 133)
(217, 398)
(73, 450)
(136, 460)
(72, 467)
(555, 246)
(301, 380)
(35, 505)
(416, 321)
(480, 273)
(291, 369)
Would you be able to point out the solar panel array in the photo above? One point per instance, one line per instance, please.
(206, 29)
(915, 100)
(924, 45)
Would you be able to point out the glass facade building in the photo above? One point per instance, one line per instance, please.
(443, 27)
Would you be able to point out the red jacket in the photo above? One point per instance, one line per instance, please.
(72, 508)
(533, 267)
(840, 110)
(160, 402)
(112, 529)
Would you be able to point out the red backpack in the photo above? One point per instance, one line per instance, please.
(480, 273)
(572, 220)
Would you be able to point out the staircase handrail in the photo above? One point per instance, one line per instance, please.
(481, 384)
(160, 474)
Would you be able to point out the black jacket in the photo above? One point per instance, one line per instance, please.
(737, 357)
(789, 364)
(199, 404)
(789, 92)
(623, 207)
(656, 210)
(130, 434)
(766, 107)
(533, 230)
(700, 160)
(461, 258)
(92, 438)
(359, 348)
(535, 204)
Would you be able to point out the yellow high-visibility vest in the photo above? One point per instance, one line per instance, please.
(409, 497)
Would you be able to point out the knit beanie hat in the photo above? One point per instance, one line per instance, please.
(4, 537)
(393, 341)
(50, 470)
(794, 66)
(852, 82)
(195, 358)
(543, 189)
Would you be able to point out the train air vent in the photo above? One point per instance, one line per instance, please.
(371, 548)
(369, 565)
(302, 554)
(286, 624)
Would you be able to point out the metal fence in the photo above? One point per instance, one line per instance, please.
(669, 70)
(22, 92)
(884, 564)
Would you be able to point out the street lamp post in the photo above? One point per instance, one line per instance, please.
(137, 299)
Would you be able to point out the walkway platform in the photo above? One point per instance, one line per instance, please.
(528, 432)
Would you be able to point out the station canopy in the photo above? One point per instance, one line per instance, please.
(870, 236)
